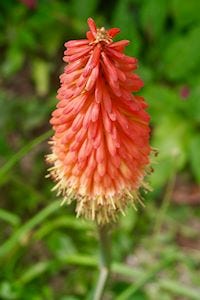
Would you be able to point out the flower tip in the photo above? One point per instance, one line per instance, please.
(92, 26)
(113, 32)
(90, 20)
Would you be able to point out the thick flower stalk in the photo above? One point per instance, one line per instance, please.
(100, 149)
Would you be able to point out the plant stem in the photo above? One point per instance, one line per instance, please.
(21, 153)
(105, 261)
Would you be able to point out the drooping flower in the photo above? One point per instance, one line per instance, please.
(100, 148)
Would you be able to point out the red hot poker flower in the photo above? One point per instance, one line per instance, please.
(100, 149)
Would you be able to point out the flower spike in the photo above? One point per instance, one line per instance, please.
(100, 148)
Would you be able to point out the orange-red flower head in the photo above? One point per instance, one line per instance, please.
(100, 148)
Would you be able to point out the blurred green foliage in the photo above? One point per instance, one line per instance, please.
(45, 253)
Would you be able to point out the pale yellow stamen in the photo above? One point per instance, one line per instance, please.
(102, 36)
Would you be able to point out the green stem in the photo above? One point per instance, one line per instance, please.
(21, 153)
(105, 261)
(179, 289)
(148, 276)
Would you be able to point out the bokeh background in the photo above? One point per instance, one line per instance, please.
(45, 252)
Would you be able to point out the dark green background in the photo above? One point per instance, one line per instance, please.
(45, 252)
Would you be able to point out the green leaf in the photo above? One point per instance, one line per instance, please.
(162, 171)
(5, 149)
(7, 292)
(34, 271)
(25, 230)
(13, 61)
(35, 114)
(146, 73)
(192, 103)
(153, 16)
(53, 40)
(21, 153)
(41, 76)
(171, 139)
(179, 290)
(65, 221)
(195, 156)
(9, 217)
(25, 38)
(147, 277)
(181, 56)
(60, 244)
(185, 12)
(123, 17)
(162, 101)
